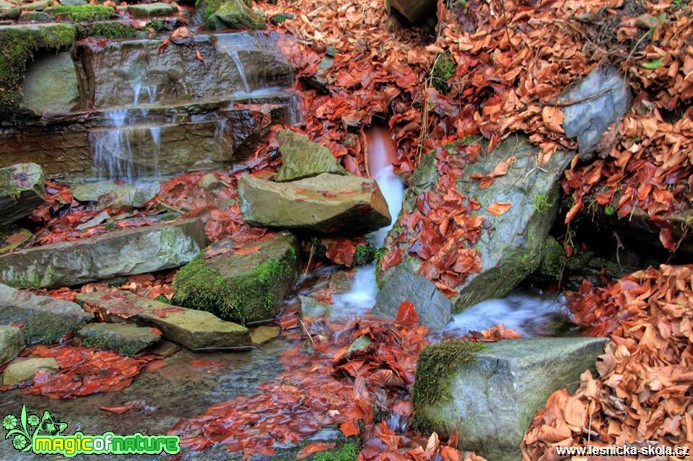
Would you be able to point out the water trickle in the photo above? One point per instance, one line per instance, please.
(219, 134)
(364, 289)
(233, 53)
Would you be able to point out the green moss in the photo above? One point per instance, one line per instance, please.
(105, 29)
(541, 203)
(233, 14)
(554, 259)
(17, 46)
(103, 343)
(436, 366)
(211, 6)
(43, 328)
(443, 68)
(347, 452)
(364, 255)
(79, 13)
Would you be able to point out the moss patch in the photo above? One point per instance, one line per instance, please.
(18, 44)
(443, 68)
(347, 452)
(44, 328)
(105, 29)
(554, 259)
(242, 288)
(436, 366)
(79, 13)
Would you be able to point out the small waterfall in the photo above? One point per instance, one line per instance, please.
(364, 289)
(233, 54)
(219, 134)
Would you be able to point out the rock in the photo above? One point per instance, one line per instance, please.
(311, 307)
(433, 308)
(11, 343)
(73, 2)
(302, 158)
(116, 196)
(9, 10)
(165, 348)
(38, 5)
(264, 334)
(43, 319)
(196, 330)
(492, 398)
(24, 370)
(211, 182)
(37, 16)
(511, 245)
(13, 237)
(235, 14)
(124, 338)
(21, 190)
(122, 252)
(152, 9)
(601, 99)
(415, 10)
(246, 285)
(327, 203)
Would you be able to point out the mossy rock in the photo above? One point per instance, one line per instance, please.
(443, 68)
(234, 14)
(126, 339)
(81, 13)
(244, 286)
(553, 261)
(18, 44)
(152, 9)
(107, 29)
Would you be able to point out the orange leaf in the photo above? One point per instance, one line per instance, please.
(314, 448)
(350, 428)
(406, 315)
(499, 208)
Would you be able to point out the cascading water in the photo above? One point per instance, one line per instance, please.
(233, 54)
(364, 289)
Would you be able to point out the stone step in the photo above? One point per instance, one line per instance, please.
(196, 330)
(123, 338)
(122, 252)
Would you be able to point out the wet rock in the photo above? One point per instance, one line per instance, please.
(433, 308)
(196, 330)
(13, 237)
(265, 333)
(512, 244)
(152, 9)
(491, 399)
(123, 252)
(245, 285)
(327, 203)
(37, 16)
(594, 104)
(11, 343)
(124, 338)
(24, 370)
(43, 319)
(414, 10)
(211, 182)
(21, 190)
(116, 196)
(235, 14)
(302, 158)
(311, 307)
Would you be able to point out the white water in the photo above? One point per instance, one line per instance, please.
(528, 314)
(364, 289)
(233, 53)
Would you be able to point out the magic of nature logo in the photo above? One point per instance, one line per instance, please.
(44, 436)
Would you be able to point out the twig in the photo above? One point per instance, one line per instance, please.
(572, 102)
(303, 325)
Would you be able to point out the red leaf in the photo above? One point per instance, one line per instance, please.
(406, 315)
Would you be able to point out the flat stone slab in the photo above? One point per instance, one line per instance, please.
(302, 158)
(433, 308)
(11, 343)
(124, 252)
(264, 334)
(196, 330)
(43, 319)
(152, 9)
(24, 370)
(124, 338)
(21, 190)
(245, 285)
(491, 400)
(327, 203)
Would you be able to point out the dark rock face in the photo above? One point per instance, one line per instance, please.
(21, 190)
(126, 252)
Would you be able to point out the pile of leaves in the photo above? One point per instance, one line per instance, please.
(643, 390)
(84, 371)
(354, 375)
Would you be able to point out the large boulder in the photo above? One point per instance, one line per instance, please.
(327, 203)
(234, 14)
(43, 76)
(21, 190)
(244, 285)
(43, 319)
(193, 329)
(302, 158)
(511, 245)
(490, 395)
(123, 252)
(11, 343)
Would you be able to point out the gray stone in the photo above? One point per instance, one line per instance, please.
(73, 2)
(21, 190)
(433, 308)
(327, 203)
(24, 370)
(43, 319)
(116, 196)
(196, 330)
(11, 343)
(264, 334)
(147, 10)
(47, 74)
(244, 285)
(302, 158)
(511, 245)
(595, 103)
(37, 16)
(311, 307)
(122, 252)
(124, 338)
(492, 400)
(211, 182)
